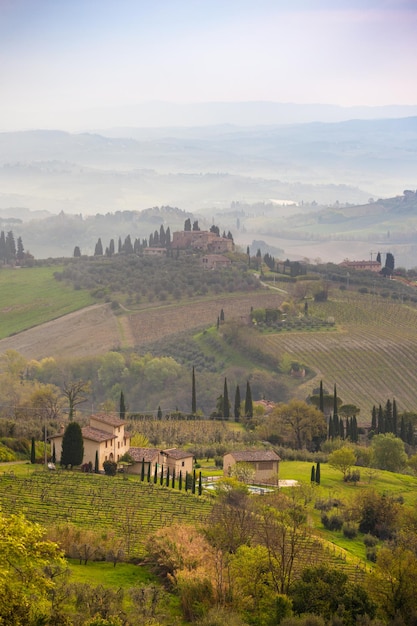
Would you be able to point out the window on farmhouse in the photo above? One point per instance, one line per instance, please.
(266, 465)
(183, 463)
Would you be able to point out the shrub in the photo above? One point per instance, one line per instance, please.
(350, 530)
(370, 541)
(110, 468)
(327, 505)
(371, 554)
(332, 522)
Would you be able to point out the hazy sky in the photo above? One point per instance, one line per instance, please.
(61, 57)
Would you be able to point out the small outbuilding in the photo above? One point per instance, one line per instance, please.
(265, 464)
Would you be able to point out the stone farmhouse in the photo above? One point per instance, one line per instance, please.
(170, 459)
(264, 462)
(203, 240)
(372, 266)
(105, 435)
(215, 261)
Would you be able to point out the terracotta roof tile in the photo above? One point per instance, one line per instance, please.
(254, 455)
(138, 454)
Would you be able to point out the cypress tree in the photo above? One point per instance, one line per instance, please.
(200, 484)
(142, 471)
(96, 467)
(193, 395)
(321, 397)
(32, 452)
(394, 417)
(341, 429)
(336, 428)
(122, 407)
(313, 474)
(403, 433)
(149, 473)
(98, 251)
(380, 421)
(348, 429)
(173, 478)
(237, 404)
(155, 474)
(186, 481)
(167, 478)
(161, 479)
(193, 489)
(318, 473)
(53, 453)
(159, 413)
(331, 429)
(373, 420)
(388, 417)
(248, 401)
(226, 405)
(180, 481)
(410, 434)
(222, 315)
(72, 445)
(335, 408)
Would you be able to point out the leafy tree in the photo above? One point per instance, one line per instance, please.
(392, 584)
(74, 392)
(26, 559)
(342, 459)
(72, 446)
(388, 452)
(302, 421)
(327, 591)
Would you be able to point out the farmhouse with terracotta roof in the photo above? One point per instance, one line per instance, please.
(264, 462)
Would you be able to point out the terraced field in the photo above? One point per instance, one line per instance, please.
(371, 356)
(130, 508)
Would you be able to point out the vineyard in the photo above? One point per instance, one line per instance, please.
(130, 508)
(371, 356)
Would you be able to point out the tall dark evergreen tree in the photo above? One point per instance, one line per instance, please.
(72, 446)
(410, 434)
(148, 477)
(195, 225)
(222, 315)
(378, 257)
(394, 417)
(98, 250)
(128, 246)
(318, 476)
(389, 263)
(162, 236)
(111, 247)
(335, 407)
(321, 397)
(3, 255)
(20, 253)
(122, 406)
(331, 427)
(142, 470)
(187, 224)
(388, 416)
(155, 474)
(248, 401)
(159, 414)
(180, 481)
(168, 238)
(374, 420)
(313, 474)
(53, 459)
(32, 452)
(226, 404)
(10, 246)
(77, 252)
(200, 484)
(403, 431)
(119, 245)
(96, 467)
(237, 404)
(194, 480)
(380, 421)
(193, 395)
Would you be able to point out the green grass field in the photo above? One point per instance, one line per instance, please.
(31, 296)
(124, 575)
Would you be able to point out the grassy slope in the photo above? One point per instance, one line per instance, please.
(31, 296)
